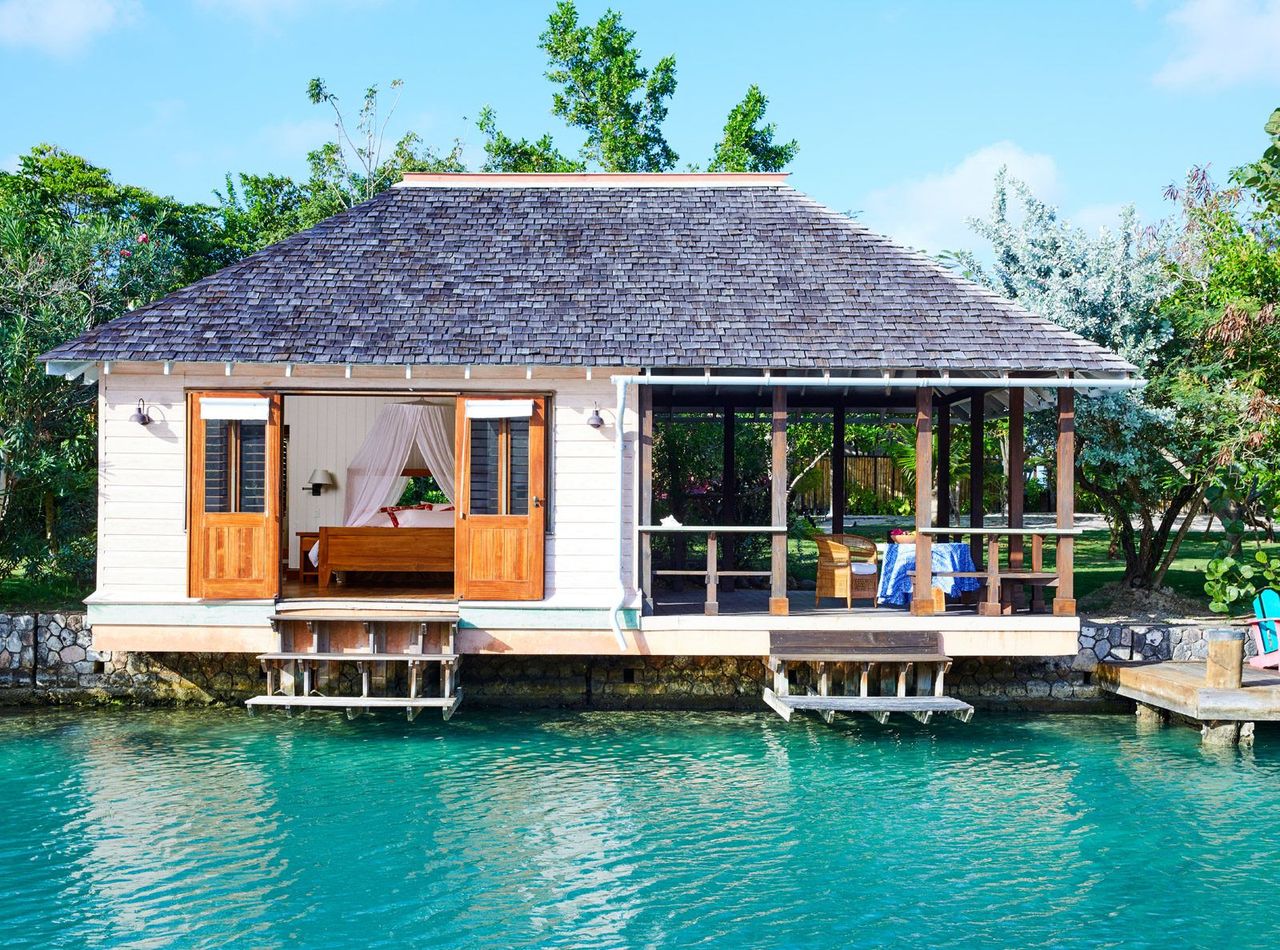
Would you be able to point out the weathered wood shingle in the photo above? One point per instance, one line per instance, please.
(744, 276)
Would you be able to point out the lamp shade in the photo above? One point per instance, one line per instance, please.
(321, 476)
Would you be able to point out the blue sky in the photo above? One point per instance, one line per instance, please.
(903, 110)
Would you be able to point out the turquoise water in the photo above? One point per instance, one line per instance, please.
(210, 829)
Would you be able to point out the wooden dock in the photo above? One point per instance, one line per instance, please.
(311, 644)
(1179, 688)
(871, 672)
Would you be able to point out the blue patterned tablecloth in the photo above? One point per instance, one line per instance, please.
(900, 564)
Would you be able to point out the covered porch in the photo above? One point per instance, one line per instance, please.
(742, 560)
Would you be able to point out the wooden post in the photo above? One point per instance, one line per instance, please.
(922, 588)
(1064, 604)
(977, 470)
(838, 494)
(645, 514)
(944, 466)
(712, 607)
(778, 604)
(729, 489)
(1224, 666)
(1017, 461)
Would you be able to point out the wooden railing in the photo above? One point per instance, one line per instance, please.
(712, 570)
(1001, 582)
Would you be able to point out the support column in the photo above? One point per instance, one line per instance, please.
(1064, 604)
(729, 490)
(778, 604)
(645, 514)
(922, 585)
(977, 470)
(1017, 493)
(944, 466)
(839, 496)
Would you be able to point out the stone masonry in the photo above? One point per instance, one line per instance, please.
(50, 658)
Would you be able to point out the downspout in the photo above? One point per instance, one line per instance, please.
(621, 383)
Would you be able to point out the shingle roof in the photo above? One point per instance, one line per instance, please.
(715, 274)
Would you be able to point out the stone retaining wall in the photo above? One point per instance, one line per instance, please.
(50, 658)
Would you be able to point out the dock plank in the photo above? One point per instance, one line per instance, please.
(354, 702)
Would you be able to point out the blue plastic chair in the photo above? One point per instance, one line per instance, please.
(1266, 629)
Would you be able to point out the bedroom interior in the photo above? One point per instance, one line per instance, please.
(382, 519)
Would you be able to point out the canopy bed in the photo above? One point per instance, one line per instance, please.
(375, 534)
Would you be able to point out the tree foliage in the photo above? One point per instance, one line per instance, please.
(1146, 457)
(65, 267)
(620, 107)
(747, 144)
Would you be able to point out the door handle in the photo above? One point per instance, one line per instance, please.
(537, 502)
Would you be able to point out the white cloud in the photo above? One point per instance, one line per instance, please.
(60, 27)
(1223, 43)
(930, 213)
(9, 163)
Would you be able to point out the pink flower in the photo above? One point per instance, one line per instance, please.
(125, 252)
(144, 238)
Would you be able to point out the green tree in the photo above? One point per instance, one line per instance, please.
(748, 145)
(63, 270)
(505, 154)
(620, 108)
(604, 91)
(356, 165)
(1146, 457)
(1263, 176)
(261, 210)
(53, 182)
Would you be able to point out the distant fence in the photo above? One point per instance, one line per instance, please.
(877, 475)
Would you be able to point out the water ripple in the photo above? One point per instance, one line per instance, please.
(210, 829)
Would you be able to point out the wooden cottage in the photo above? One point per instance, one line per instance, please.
(506, 342)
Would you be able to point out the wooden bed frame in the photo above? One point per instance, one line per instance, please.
(384, 549)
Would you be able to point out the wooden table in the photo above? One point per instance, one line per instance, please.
(1000, 583)
(306, 570)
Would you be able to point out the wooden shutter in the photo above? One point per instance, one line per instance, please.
(234, 497)
(501, 489)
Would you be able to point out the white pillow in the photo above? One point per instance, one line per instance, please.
(424, 518)
(862, 567)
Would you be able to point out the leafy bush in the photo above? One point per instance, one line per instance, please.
(1232, 583)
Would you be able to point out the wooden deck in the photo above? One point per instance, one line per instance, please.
(1180, 688)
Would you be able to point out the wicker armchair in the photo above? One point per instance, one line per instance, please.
(837, 555)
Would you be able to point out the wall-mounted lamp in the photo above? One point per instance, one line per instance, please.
(140, 415)
(320, 480)
(594, 419)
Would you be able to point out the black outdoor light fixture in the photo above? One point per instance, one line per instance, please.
(140, 415)
(594, 420)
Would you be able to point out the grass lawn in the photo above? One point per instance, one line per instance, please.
(20, 593)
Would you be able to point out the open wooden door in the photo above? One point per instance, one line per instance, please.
(501, 488)
(234, 495)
